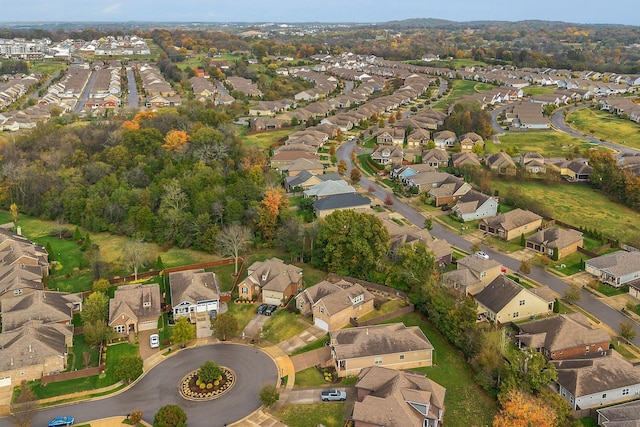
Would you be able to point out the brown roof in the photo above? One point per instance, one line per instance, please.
(512, 219)
(193, 286)
(47, 306)
(341, 297)
(554, 237)
(273, 274)
(135, 301)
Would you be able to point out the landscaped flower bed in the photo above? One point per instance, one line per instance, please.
(192, 388)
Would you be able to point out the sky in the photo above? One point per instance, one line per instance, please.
(283, 11)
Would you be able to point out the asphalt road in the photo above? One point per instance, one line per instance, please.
(85, 93)
(133, 90)
(159, 387)
(590, 303)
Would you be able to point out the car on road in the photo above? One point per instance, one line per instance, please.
(154, 341)
(270, 310)
(333, 395)
(262, 308)
(61, 421)
(482, 255)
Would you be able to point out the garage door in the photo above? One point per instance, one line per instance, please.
(274, 301)
(147, 326)
(321, 324)
(5, 382)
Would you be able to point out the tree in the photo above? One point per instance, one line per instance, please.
(351, 242)
(418, 266)
(209, 372)
(101, 285)
(573, 293)
(269, 395)
(183, 331)
(342, 167)
(555, 254)
(136, 255)
(428, 223)
(355, 175)
(290, 236)
(95, 308)
(523, 241)
(97, 333)
(77, 235)
(524, 410)
(135, 416)
(269, 210)
(232, 240)
(388, 200)
(224, 325)
(159, 264)
(128, 369)
(176, 141)
(170, 416)
(525, 266)
(475, 247)
(23, 409)
(627, 330)
(528, 371)
(13, 210)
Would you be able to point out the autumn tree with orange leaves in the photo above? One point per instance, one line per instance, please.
(525, 410)
(176, 141)
(269, 210)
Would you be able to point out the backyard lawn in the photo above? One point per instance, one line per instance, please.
(580, 205)
(548, 143)
(460, 88)
(466, 402)
(76, 354)
(265, 140)
(603, 125)
(329, 414)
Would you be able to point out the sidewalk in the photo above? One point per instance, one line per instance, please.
(113, 422)
(309, 335)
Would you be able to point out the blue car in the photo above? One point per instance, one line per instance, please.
(61, 421)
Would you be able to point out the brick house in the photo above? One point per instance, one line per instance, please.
(135, 308)
(564, 241)
(271, 281)
(512, 224)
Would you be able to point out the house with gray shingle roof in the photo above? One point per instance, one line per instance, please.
(564, 241)
(329, 188)
(390, 398)
(564, 336)
(473, 273)
(47, 306)
(271, 281)
(587, 383)
(192, 292)
(392, 345)
(621, 415)
(616, 268)
(501, 163)
(504, 300)
(135, 308)
(474, 205)
(326, 206)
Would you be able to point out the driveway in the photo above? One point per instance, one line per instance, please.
(145, 350)
(159, 387)
(254, 327)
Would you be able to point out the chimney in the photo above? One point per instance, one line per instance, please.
(30, 348)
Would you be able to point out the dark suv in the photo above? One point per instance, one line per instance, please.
(261, 308)
(270, 310)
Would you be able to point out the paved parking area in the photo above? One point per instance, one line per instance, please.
(145, 350)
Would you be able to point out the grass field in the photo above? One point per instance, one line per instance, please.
(387, 307)
(328, 414)
(459, 89)
(46, 67)
(604, 125)
(264, 140)
(537, 90)
(547, 143)
(243, 313)
(580, 205)
(281, 326)
(76, 354)
(467, 403)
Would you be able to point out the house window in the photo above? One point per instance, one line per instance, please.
(245, 291)
(625, 391)
(521, 302)
(119, 329)
(604, 395)
(515, 314)
(17, 292)
(378, 361)
(587, 348)
(358, 298)
(483, 274)
(402, 357)
(321, 309)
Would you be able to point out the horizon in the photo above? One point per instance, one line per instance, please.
(574, 12)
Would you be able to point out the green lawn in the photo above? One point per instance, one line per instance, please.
(314, 346)
(385, 308)
(467, 403)
(310, 377)
(243, 313)
(510, 246)
(586, 422)
(281, 326)
(329, 414)
(76, 354)
(604, 125)
(461, 227)
(115, 353)
(537, 90)
(265, 140)
(459, 89)
(547, 143)
(580, 205)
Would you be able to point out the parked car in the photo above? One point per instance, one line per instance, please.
(262, 308)
(446, 208)
(482, 255)
(61, 421)
(333, 394)
(270, 310)
(154, 341)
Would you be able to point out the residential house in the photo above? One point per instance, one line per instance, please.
(449, 191)
(445, 139)
(472, 274)
(616, 269)
(327, 205)
(46, 306)
(135, 308)
(402, 172)
(305, 180)
(555, 240)
(388, 155)
(427, 180)
(418, 138)
(533, 163)
(287, 157)
(573, 170)
(271, 281)
(475, 205)
(391, 345)
(461, 159)
(33, 350)
(333, 305)
(504, 300)
(192, 292)
(390, 398)
(390, 136)
(295, 167)
(435, 158)
(259, 124)
(564, 336)
(621, 415)
(501, 163)
(469, 140)
(597, 381)
(329, 188)
(512, 224)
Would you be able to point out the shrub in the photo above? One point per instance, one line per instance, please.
(209, 386)
(202, 386)
(135, 416)
(216, 383)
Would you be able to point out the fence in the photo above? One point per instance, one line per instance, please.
(399, 312)
(374, 288)
(153, 273)
(63, 376)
